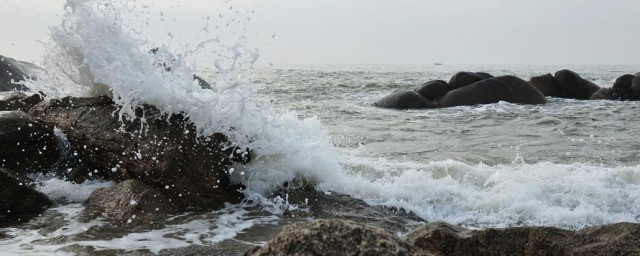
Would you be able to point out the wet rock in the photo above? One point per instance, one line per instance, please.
(329, 205)
(334, 237)
(404, 100)
(433, 90)
(129, 202)
(19, 200)
(163, 152)
(26, 144)
(465, 78)
(546, 84)
(203, 83)
(621, 89)
(192, 250)
(484, 75)
(602, 94)
(612, 239)
(572, 86)
(502, 88)
(635, 87)
(445, 239)
(18, 101)
(11, 72)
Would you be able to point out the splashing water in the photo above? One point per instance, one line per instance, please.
(93, 54)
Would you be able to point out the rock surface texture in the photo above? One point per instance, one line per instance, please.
(19, 200)
(445, 239)
(492, 90)
(26, 144)
(334, 237)
(129, 202)
(162, 152)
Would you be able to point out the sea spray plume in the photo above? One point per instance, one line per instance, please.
(92, 47)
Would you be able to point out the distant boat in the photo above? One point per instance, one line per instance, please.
(437, 63)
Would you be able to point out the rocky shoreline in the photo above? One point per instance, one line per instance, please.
(162, 167)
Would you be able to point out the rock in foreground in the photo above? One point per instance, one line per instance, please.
(18, 101)
(18, 199)
(26, 144)
(445, 239)
(129, 202)
(334, 237)
(162, 152)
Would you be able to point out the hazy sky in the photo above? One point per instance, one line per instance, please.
(374, 31)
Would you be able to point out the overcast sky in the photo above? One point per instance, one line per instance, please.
(374, 31)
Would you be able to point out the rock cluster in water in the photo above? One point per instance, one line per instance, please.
(162, 167)
(473, 88)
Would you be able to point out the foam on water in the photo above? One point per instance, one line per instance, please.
(68, 192)
(565, 195)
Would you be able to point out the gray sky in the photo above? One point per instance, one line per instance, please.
(375, 31)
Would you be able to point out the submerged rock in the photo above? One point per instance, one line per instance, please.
(26, 144)
(635, 87)
(19, 200)
(621, 89)
(464, 78)
(129, 202)
(162, 152)
(11, 72)
(329, 205)
(572, 86)
(334, 237)
(492, 90)
(445, 239)
(433, 90)
(18, 101)
(404, 100)
(602, 94)
(546, 84)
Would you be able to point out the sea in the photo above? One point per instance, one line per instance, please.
(567, 163)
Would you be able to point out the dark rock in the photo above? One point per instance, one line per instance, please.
(203, 83)
(18, 101)
(502, 88)
(404, 100)
(11, 72)
(330, 205)
(19, 200)
(621, 89)
(546, 84)
(602, 94)
(635, 88)
(572, 86)
(191, 250)
(129, 202)
(26, 144)
(484, 75)
(465, 78)
(334, 237)
(433, 90)
(445, 239)
(612, 239)
(164, 152)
